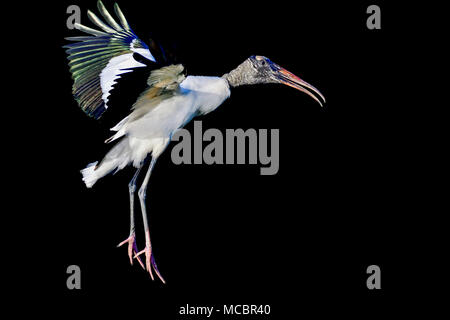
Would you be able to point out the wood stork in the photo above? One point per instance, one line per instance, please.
(170, 101)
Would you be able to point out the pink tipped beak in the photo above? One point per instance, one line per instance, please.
(293, 81)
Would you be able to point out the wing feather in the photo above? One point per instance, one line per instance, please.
(109, 19)
(99, 23)
(121, 17)
(98, 60)
(89, 30)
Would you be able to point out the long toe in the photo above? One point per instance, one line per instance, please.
(147, 252)
(130, 252)
(130, 241)
(156, 270)
(132, 249)
(148, 256)
(123, 242)
(135, 250)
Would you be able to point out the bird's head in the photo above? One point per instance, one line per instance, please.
(259, 69)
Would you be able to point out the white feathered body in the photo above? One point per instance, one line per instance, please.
(152, 132)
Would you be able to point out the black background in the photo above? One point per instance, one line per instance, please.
(347, 194)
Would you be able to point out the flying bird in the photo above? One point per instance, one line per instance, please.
(169, 102)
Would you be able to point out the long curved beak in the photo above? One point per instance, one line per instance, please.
(291, 80)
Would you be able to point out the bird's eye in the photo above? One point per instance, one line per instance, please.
(263, 62)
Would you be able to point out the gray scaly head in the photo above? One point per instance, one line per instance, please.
(259, 69)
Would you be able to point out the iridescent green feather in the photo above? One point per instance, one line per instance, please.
(90, 55)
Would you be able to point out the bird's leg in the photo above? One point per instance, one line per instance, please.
(131, 240)
(149, 258)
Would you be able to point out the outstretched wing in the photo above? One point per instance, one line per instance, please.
(163, 84)
(97, 61)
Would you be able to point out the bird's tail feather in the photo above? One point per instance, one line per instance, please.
(89, 174)
(117, 158)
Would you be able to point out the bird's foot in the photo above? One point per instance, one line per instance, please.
(150, 261)
(132, 248)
